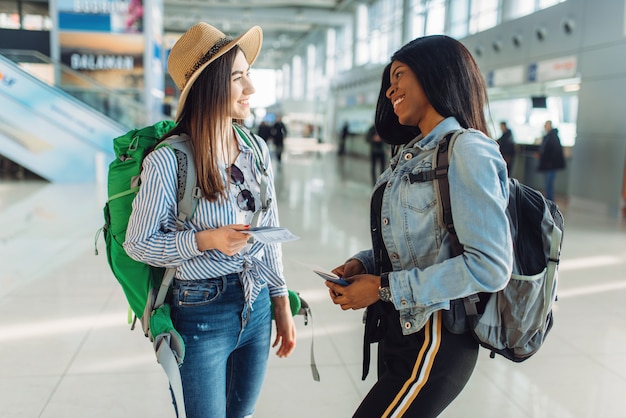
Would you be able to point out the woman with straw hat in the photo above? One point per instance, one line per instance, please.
(223, 285)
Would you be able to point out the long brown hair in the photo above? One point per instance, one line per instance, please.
(206, 119)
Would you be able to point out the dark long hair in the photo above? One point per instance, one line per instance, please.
(450, 79)
(205, 118)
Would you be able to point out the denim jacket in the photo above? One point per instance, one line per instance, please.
(425, 276)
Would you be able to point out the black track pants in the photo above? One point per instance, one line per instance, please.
(419, 374)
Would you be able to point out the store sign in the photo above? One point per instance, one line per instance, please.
(507, 76)
(101, 16)
(554, 69)
(101, 62)
(99, 6)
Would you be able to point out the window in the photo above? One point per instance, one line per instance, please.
(544, 4)
(297, 78)
(435, 17)
(310, 71)
(362, 38)
(331, 59)
(459, 18)
(34, 15)
(284, 80)
(483, 15)
(427, 17)
(418, 19)
(344, 48)
(385, 29)
(519, 8)
(9, 15)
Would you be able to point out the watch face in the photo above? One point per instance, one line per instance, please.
(384, 293)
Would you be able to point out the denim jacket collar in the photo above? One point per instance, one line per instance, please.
(431, 140)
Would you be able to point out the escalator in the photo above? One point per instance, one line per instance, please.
(52, 133)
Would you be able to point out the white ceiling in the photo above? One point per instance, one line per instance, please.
(288, 26)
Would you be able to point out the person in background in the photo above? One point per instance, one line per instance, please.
(408, 278)
(378, 156)
(223, 286)
(278, 132)
(507, 146)
(264, 130)
(551, 158)
(343, 136)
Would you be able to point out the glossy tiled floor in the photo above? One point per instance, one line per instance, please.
(66, 350)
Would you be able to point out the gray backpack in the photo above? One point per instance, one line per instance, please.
(515, 321)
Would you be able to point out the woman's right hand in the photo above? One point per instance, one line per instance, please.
(227, 239)
(351, 268)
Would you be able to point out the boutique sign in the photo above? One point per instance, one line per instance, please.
(100, 52)
(93, 62)
(101, 6)
(101, 16)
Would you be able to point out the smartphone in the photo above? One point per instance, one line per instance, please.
(331, 278)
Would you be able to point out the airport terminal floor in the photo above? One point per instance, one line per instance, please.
(66, 350)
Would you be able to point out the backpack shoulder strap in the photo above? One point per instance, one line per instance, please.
(441, 164)
(188, 191)
(188, 198)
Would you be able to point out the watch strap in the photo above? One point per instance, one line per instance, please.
(384, 291)
(384, 280)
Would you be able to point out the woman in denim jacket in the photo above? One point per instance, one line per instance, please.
(432, 87)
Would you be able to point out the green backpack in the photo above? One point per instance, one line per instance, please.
(144, 286)
(123, 185)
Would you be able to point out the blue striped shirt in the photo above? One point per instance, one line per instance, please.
(152, 236)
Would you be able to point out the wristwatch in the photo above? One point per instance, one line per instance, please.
(384, 291)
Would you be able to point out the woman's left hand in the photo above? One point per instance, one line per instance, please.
(285, 327)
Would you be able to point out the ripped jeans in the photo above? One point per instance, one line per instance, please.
(226, 346)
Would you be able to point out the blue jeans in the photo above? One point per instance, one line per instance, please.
(550, 177)
(226, 346)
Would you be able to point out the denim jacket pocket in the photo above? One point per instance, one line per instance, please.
(417, 195)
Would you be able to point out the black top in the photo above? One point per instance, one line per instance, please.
(507, 145)
(382, 256)
(551, 152)
(376, 147)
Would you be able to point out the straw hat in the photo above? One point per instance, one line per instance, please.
(201, 45)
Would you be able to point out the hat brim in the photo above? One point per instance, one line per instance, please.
(250, 42)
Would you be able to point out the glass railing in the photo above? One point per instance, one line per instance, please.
(123, 106)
